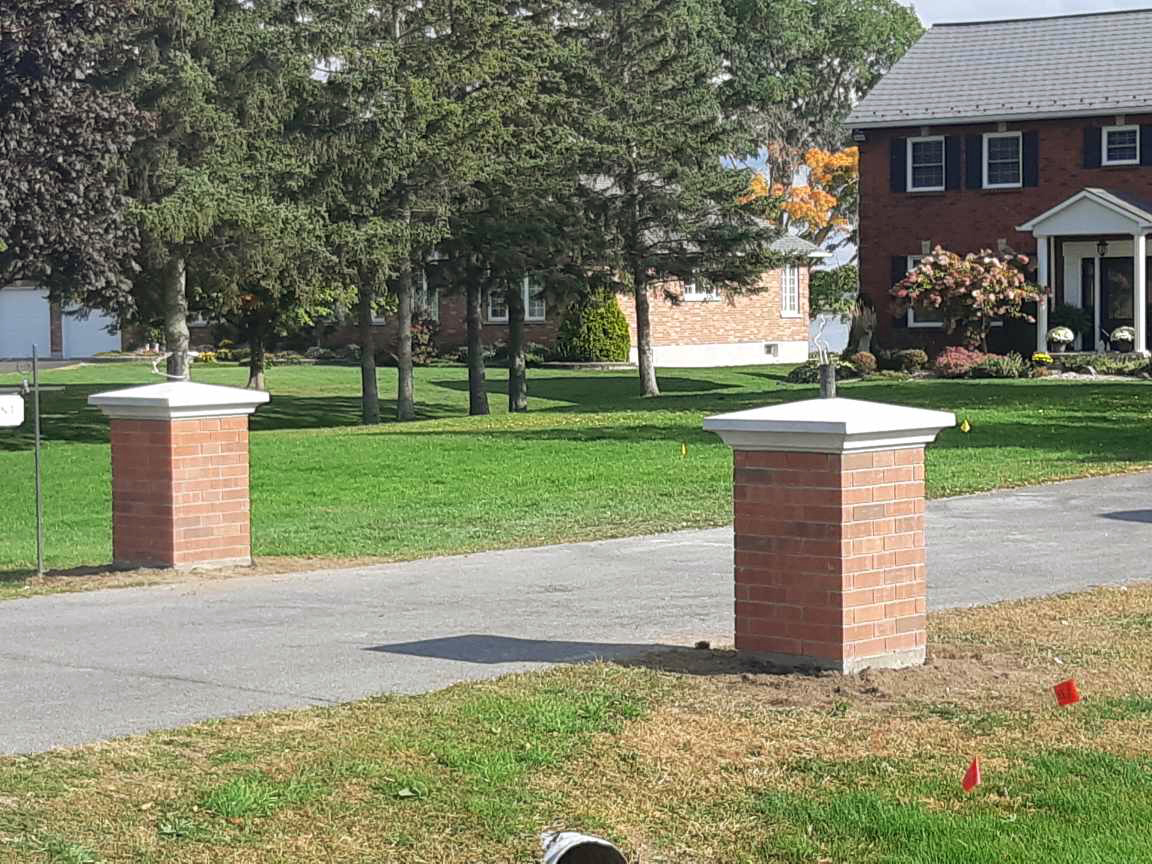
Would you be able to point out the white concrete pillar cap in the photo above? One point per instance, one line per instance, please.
(830, 426)
(178, 400)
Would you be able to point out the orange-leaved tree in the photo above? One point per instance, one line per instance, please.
(822, 209)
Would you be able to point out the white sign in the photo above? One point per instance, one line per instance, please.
(11, 409)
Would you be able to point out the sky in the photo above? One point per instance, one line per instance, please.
(941, 11)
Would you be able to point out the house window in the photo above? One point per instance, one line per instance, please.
(700, 291)
(1002, 160)
(425, 300)
(919, 316)
(535, 305)
(1121, 145)
(497, 307)
(790, 292)
(926, 164)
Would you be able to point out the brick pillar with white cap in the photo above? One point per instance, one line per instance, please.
(828, 500)
(180, 494)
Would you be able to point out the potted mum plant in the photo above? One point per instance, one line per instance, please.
(1059, 338)
(1123, 338)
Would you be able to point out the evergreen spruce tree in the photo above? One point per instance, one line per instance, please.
(658, 174)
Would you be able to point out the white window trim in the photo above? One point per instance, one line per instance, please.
(384, 319)
(1104, 160)
(692, 294)
(1019, 159)
(528, 316)
(789, 270)
(913, 260)
(943, 164)
(525, 288)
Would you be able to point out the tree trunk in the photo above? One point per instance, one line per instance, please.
(644, 336)
(517, 380)
(256, 360)
(369, 387)
(176, 318)
(477, 384)
(405, 409)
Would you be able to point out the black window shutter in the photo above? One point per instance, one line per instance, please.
(1146, 145)
(898, 165)
(1092, 147)
(1030, 158)
(952, 162)
(899, 271)
(974, 161)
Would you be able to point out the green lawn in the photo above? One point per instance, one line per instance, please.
(592, 459)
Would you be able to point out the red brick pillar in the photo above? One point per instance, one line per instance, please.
(828, 500)
(180, 474)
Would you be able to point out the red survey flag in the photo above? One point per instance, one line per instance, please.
(972, 776)
(1066, 692)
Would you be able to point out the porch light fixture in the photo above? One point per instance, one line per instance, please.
(1102, 248)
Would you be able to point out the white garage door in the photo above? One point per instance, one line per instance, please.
(24, 319)
(87, 337)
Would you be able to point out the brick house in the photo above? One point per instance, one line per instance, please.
(705, 327)
(1033, 136)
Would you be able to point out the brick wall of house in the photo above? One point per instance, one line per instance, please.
(453, 331)
(753, 317)
(965, 220)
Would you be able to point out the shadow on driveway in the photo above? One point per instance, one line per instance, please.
(480, 648)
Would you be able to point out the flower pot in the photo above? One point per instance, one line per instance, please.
(1057, 347)
(1122, 347)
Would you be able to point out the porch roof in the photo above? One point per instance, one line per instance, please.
(1093, 211)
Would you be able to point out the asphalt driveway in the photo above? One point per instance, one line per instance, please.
(82, 667)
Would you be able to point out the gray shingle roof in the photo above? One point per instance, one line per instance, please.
(1070, 66)
(790, 244)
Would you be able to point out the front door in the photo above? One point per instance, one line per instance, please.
(1116, 294)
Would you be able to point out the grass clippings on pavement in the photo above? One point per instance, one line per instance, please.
(686, 757)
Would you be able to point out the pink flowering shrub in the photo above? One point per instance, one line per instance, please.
(969, 291)
(957, 362)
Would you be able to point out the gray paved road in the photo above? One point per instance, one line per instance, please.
(75, 668)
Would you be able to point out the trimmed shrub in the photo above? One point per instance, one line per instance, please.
(534, 354)
(208, 358)
(956, 362)
(594, 330)
(1002, 366)
(911, 360)
(809, 372)
(863, 362)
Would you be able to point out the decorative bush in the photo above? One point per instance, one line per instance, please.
(424, 334)
(863, 362)
(1061, 336)
(956, 362)
(969, 292)
(318, 353)
(1042, 358)
(1104, 364)
(809, 372)
(534, 353)
(1002, 366)
(208, 358)
(911, 360)
(594, 330)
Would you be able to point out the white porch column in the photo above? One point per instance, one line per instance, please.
(1140, 310)
(1097, 339)
(1042, 303)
